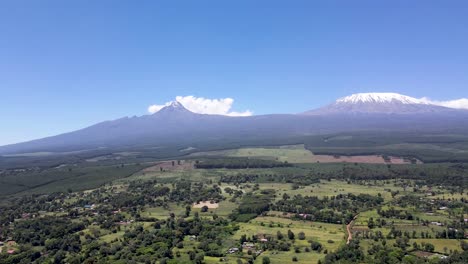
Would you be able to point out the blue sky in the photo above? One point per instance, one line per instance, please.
(65, 65)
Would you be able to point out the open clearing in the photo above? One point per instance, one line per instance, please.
(332, 188)
(171, 165)
(289, 153)
(298, 154)
(270, 225)
(331, 236)
(208, 204)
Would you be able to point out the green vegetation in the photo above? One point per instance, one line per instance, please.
(250, 208)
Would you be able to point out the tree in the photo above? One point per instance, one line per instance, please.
(199, 258)
(266, 260)
(279, 235)
(429, 247)
(301, 235)
(243, 238)
(204, 209)
(314, 245)
(188, 208)
(192, 255)
(290, 234)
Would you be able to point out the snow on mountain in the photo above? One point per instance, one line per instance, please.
(380, 98)
(379, 103)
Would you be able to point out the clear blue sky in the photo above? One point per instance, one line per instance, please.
(65, 65)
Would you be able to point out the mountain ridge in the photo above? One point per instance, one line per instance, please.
(175, 124)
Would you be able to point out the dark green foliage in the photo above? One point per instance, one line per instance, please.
(350, 253)
(239, 163)
(252, 205)
(329, 210)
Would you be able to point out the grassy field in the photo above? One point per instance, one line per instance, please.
(270, 225)
(162, 213)
(225, 208)
(440, 244)
(289, 153)
(332, 188)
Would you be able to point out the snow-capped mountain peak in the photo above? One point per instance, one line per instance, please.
(171, 108)
(379, 98)
(379, 103)
(176, 104)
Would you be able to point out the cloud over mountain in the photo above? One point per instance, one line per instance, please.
(202, 105)
(461, 103)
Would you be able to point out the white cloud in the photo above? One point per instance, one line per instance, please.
(202, 105)
(155, 108)
(461, 103)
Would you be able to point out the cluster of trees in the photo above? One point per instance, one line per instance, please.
(240, 163)
(61, 242)
(445, 175)
(395, 213)
(253, 205)
(335, 209)
(297, 179)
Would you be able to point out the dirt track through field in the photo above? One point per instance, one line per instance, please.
(348, 228)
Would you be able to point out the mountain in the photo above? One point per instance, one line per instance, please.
(379, 103)
(174, 125)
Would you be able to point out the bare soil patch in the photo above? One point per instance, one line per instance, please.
(207, 204)
(423, 254)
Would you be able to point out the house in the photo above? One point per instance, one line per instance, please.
(89, 206)
(124, 223)
(303, 216)
(233, 250)
(26, 215)
(11, 251)
(248, 245)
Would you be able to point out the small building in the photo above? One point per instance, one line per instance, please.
(233, 250)
(89, 206)
(248, 245)
(26, 215)
(303, 216)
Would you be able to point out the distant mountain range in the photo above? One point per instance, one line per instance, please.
(174, 124)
